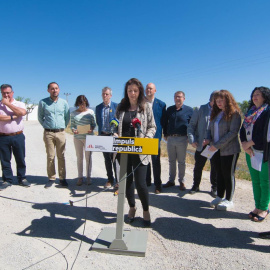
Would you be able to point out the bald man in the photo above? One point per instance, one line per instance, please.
(159, 111)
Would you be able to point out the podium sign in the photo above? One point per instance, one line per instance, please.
(125, 145)
(120, 241)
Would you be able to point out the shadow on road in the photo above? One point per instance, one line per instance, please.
(65, 228)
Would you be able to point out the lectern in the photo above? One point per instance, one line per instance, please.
(119, 240)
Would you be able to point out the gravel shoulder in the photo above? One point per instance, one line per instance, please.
(40, 230)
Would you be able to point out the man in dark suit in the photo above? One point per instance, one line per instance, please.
(105, 112)
(159, 111)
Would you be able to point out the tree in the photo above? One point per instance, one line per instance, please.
(19, 98)
(30, 105)
(243, 106)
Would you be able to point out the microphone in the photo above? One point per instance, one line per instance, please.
(136, 123)
(114, 123)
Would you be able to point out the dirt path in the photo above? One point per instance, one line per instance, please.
(39, 230)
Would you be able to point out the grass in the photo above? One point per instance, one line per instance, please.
(241, 171)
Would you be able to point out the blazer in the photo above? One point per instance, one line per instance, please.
(259, 134)
(228, 142)
(159, 111)
(148, 126)
(99, 116)
(198, 126)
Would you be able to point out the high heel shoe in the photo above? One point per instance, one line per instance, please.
(131, 214)
(146, 219)
(259, 218)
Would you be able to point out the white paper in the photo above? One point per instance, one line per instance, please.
(207, 153)
(256, 160)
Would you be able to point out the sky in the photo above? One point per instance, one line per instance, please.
(195, 46)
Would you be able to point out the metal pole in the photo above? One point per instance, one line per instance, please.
(118, 242)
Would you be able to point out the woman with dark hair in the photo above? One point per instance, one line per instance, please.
(134, 105)
(253, 135)
(81, 117)
(223, 135)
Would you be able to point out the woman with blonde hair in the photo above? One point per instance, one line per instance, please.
(223, 137)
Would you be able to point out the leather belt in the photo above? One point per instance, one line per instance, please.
(178, 135)
(11, 134)
(54, 130)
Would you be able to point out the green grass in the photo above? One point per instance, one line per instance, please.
(241, 171)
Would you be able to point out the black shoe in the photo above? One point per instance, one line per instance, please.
(213, 193)
(49, 184)
(169, 184)
(132, 214)
(63, 183)
(24, 183)
(5, 184)
(146, 223)
(194, 190)
(148, 184)
(158, 190)
(182, 186)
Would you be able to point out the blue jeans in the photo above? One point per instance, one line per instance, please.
(16, 145)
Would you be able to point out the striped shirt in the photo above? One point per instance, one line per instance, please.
(82, 119)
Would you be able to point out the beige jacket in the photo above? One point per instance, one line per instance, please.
(148, 126)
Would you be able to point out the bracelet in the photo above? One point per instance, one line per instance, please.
(11, 118)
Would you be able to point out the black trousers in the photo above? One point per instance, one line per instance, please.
(198, 168)
(110, 166)
(225, 168)
(139, 177)
(156, 171)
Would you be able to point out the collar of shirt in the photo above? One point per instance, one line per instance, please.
(106, 106)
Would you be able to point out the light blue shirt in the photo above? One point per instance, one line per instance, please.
(216, 129)
(53, 114)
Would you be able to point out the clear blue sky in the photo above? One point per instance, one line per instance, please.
(196, 46)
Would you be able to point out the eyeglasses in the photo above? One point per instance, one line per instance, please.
(6, 93)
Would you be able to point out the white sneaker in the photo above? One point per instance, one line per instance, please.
(225, 205)
(215, 202)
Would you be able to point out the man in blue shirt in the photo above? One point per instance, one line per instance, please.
(54, 115)
(175, 132)
(105, 112)
(159, 111)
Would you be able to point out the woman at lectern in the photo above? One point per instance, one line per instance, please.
(136, 119)
(82, 123)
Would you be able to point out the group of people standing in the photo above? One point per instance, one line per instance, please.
(214, 127)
